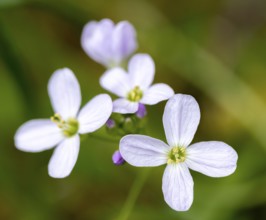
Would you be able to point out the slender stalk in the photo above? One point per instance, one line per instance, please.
(103, 138)
(133, 194)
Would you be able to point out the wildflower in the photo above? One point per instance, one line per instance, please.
(107, 43)
(65, 126)
(213, 158)
(135, 87)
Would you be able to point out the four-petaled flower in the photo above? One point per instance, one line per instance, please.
(65, 126)
(107, 43)
(181, 118)
(135, 87)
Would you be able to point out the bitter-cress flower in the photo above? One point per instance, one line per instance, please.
(213, 158)
(135, 86)
(63, 129)
(107, 43)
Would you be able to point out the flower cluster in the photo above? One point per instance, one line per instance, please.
(112, 45)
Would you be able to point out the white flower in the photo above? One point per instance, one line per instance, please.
(107, 43)
(213, 158)
(65, 126)
(135, 87)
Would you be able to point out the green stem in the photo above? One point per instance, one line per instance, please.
(103, 138)
(133, 194)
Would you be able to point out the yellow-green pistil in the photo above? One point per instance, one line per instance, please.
(176, 155)
(69, 127)
(135, 94)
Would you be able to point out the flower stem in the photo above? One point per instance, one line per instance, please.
(103, 138)
(133, 194)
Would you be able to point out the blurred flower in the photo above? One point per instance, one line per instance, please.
(135, 86)
(142, 112)
(107, 43)
(117, 158)
(181, 118)
(63, 128)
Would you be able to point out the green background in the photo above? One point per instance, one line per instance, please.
(213, 50)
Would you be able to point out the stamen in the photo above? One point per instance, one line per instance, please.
(69, 127)
(58, 120)
(177, 155)
(135, 94)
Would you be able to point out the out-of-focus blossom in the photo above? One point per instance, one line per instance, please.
(65, 126)
(107, 43)
(213, 158)
(135, 86)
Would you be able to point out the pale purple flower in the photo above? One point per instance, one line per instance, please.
(135, 86)
(107, 43)
(117, 158)
(65, 126)
(212, 158)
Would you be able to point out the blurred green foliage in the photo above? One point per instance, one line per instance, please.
(213, 50)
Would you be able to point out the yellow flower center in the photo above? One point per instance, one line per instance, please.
(135, 94)
(176, 155)
(69, 127)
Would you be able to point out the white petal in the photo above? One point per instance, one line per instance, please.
(95, 113)
(157, 93)
(178, 187)
(37, 135)
(64, 93)
(116, 81)
(141, 71)
(124, 106)
(212, 158)
(180, 119)
(123, 41)
(96, 40)
(64, 158)
(143, 151)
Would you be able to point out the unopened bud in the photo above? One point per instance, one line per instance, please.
(110, 123)
(117, 158)
(141, 111)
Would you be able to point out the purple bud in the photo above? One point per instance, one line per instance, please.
(141, 111)
(110, 123)
(117, 158)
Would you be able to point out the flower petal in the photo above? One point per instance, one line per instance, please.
(123, 41)
(143, 151)
(124, 106)
(141, 70)
(64, 158)
(116, 81)
(95, 113)
(180, 119)
(157, 93)
(64, 92)
(37, 135)
(178, 187)
(212, 158)
(96, 40)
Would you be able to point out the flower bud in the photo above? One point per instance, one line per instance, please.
(142, 112)
(117, 158)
